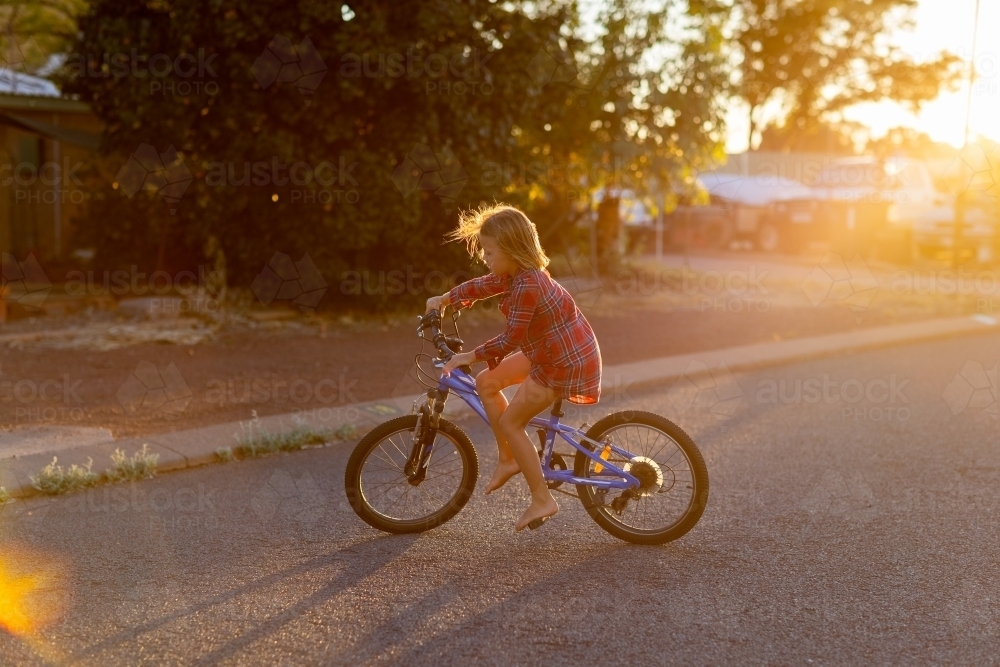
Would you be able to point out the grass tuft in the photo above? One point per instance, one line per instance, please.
(224, 454)
(345, 432)
(55, 480)
(256, 440)
(142, 465)
(4, 496)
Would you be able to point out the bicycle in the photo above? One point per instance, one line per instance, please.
(433, 459)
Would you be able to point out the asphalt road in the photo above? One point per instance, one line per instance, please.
(835, 534)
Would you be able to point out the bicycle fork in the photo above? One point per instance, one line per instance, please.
(428, 419)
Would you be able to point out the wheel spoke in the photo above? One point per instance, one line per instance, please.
(657, 511)
(386, 489)
(387, 459)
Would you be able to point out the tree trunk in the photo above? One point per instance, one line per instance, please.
(161, 254)
(608, 229)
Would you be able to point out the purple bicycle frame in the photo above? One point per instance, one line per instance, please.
(464, 385)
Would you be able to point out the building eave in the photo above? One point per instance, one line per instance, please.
(40, 103)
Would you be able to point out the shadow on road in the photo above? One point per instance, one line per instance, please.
(366, 558)
(567, 598)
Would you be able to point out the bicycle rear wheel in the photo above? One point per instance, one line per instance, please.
(380, 493)
(674, 479)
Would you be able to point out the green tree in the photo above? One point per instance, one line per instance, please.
(364, 116)
(817, 58)
(636, 107)
(838, 138)
(912, 142)
(406, 89)
(33, 30)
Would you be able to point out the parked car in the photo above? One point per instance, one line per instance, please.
(739, 206)
(934, 232)
(859, 204)
(705, 226)
(791, 225)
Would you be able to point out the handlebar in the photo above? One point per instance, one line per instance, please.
(432, 321)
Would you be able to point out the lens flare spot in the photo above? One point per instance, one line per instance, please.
(31, 591)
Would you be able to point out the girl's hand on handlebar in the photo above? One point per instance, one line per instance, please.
(461, 359)
(437, 303)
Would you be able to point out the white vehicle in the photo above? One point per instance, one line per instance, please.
(860, 204)
(934, 232)
(749, 203)
(891, 196)
(904, 185)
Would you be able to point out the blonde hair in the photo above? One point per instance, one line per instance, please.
(514, 232)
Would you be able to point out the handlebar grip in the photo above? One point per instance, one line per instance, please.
(428, 320)
(431, 320)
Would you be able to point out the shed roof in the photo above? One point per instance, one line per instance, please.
(13, 82)
(756, 190)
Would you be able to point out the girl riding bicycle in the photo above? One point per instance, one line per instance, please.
(558, 358)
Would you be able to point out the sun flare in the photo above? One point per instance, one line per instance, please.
(30, 591)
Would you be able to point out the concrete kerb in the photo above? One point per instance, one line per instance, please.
(762, 355)
(17, 472)
(196, 447)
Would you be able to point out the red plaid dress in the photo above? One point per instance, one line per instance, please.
(543, 320)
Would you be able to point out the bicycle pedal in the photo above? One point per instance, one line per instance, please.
(537, 523)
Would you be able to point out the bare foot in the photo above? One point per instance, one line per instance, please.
(536, 510)
(504, 471)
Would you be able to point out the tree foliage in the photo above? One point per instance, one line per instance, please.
(818, 57)
(510, 101)
(635, 108)
(832, 138)
(33, 30)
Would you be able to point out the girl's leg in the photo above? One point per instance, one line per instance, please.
(530, 399)
(512, 370)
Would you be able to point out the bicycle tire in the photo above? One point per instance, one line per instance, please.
(354, 488)
(602, 514)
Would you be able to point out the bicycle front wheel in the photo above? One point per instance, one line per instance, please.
(673, 479)
(380, 493)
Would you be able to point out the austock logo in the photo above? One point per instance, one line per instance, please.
(581, 279)
(23, 175)
(151, 170)
(833, 279)
(167, 174)
(715, 390)
(45, 400)
(148, 388)
(283, 62)
(408, 389)
(977, 169)
(286, 280)
(263, 390)
(545, 68)
(193, 67)
(836, 496)
(286, 498)
(23, 282)
(974, 387)
(423, 169)
(874, 400)
(12, 54)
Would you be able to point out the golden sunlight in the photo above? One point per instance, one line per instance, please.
(938, 25)
(31, 591)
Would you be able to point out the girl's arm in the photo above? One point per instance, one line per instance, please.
(470, 291)
(524, 299)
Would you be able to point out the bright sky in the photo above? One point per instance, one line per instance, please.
(940, 25)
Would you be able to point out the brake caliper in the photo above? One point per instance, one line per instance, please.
(418, 438)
